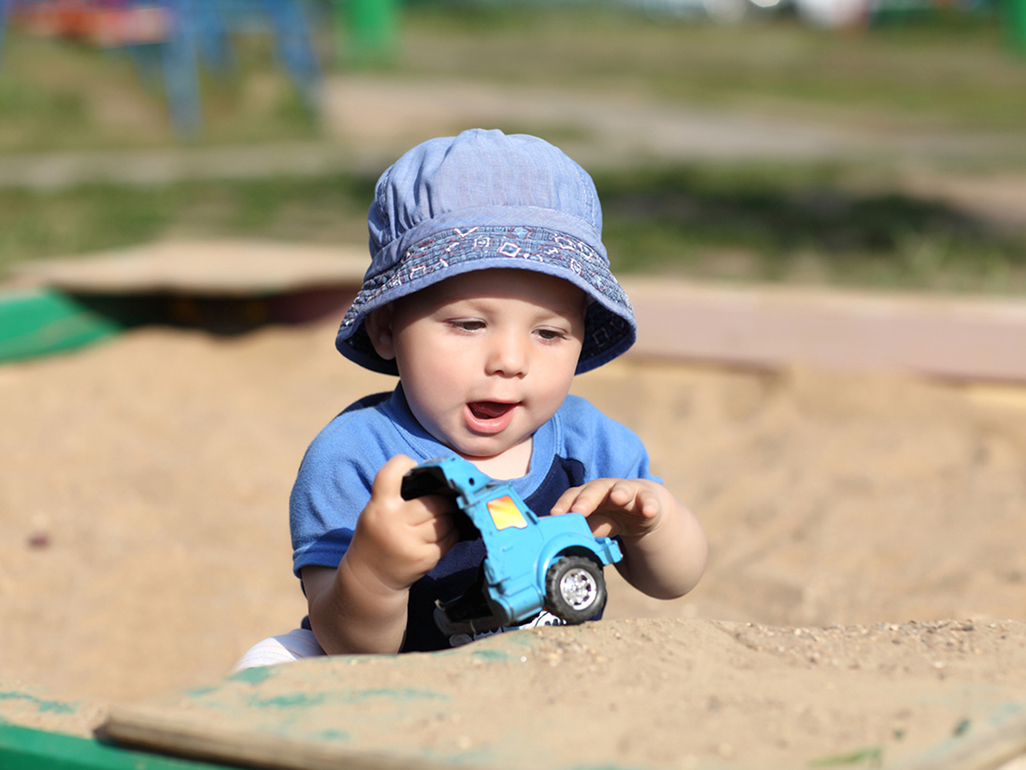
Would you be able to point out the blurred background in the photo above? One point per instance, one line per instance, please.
(870, 144)
(853, 142)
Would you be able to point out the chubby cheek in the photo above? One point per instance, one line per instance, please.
(555, 395)
(434, 399)
(548, 405)
(558, 380)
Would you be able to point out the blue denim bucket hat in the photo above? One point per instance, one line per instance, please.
(487, 200)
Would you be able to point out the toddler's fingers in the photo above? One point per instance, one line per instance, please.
(635, 497)
(603, 526)
(585, 499)
(441, 527)
(451, 538)
(389, 478)
(565, 501)
(647, 503)
(439, 537)
(623, 494)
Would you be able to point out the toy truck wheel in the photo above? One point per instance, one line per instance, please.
(575, 589)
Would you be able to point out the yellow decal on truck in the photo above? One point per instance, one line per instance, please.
(505, 513)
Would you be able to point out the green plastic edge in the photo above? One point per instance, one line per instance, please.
(22, 748)
(44, 321)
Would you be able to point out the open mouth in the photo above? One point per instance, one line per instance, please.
(490, 417)
(489, 410)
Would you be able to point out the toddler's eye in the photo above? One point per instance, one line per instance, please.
(551, 334)
(467, 325)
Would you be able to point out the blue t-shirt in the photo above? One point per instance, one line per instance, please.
(578, 444)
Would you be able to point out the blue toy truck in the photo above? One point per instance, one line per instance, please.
(531, 562)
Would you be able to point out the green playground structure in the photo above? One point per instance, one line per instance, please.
(1015, 24)
(22, 748)
(42, 321)
(367, 30)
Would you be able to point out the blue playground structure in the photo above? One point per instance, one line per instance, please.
(178, 37)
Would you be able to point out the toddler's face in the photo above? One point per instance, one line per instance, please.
(486, 357)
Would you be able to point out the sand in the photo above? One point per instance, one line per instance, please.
(864, 589)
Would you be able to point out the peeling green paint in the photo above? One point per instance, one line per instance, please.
(304, 700)
(490, 654)
(43, 706)
(252, 675)
(395, 693)
(291, 700)
(872, 755)
(481, 756)
(331, 735)
(199, 692)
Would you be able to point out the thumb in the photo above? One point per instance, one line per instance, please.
(389, 478)
(603, 526)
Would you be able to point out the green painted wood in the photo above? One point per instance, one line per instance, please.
(40, 322)
(22, 748)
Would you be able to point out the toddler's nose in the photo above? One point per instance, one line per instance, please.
(508, 356)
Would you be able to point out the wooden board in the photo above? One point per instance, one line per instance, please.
(220, 268)
(767, 326)
(759, 326)
(224, 286)
(469, 708)
(41, 732)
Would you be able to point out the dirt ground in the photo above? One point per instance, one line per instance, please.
(866, 544)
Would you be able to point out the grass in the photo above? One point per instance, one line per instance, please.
(811, 223)
(802, 225)
(949, 71)
(91, 218)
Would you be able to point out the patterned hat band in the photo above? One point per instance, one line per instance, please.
(609, 319)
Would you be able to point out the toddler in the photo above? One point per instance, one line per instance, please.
(489, 288)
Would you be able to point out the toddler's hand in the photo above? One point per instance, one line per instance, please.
(629, 508)
(397, 541)
(664, 548)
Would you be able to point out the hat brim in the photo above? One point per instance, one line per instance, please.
(610, 327)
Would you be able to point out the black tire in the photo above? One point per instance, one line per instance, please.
(575, 589)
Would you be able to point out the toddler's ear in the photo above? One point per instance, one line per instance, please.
(378, 324)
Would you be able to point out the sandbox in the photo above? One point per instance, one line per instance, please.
(861, 603)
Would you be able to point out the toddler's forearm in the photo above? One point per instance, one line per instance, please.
(351, 613)
(667, 562)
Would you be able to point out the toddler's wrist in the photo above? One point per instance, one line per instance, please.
(366, 574)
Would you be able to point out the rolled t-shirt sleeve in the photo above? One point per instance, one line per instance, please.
(331, 490)
(335, 478)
